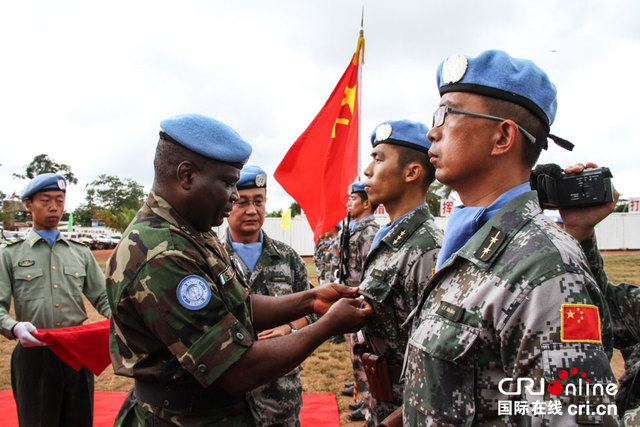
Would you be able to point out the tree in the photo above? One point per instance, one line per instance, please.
(295, 209)
(118, 220)
(43, 164)
(622, 205)
(83, 214)
(274, 214)
(112, 193)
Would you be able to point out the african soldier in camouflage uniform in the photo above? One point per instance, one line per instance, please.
(182, 322)
(270, 268)
(505, 302)
(403, 254)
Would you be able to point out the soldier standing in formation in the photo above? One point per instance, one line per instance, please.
(513, 297)
(47, 275)
(362, 229)
(322, 254)
(270, 267)
(402, 257)
(183, 323)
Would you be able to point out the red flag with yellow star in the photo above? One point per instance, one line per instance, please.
(580, 323)
(323, 162)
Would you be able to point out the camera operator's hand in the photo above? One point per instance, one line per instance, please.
(580, 222)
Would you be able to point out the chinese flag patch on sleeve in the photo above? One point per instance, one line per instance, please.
(580, 323)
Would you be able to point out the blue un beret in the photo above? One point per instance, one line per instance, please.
(357, 187)
(252, 176)
(44, 182)
(208, 137)
(402, 132)
(496, 74)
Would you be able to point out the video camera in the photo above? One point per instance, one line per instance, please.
(557, 190)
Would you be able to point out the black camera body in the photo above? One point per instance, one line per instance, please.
(572, 190)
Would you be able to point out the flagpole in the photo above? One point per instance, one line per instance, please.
(360, 62)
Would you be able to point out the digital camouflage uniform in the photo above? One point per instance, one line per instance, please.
(331, 260)
(624, 305)
(279, 271)
(360, 241)
(493, 312)
(395, 274)
(320, 257)
(175, 353)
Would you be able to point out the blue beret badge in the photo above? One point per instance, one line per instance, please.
(261, 180)
(383, 132)
(193, 292)
(454, 68)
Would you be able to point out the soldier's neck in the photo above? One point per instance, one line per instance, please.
(237, 237)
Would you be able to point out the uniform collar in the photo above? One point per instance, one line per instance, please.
(483, 247)
(32, 238)
(161, 207)
(406, 226)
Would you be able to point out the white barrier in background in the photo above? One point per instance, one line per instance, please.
(619, 231)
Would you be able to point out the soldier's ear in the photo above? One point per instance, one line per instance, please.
(184, 174)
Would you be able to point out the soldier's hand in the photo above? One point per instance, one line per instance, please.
(580, 222)
(348, 315)
(326, 295)
(275, 332)
(23, 330)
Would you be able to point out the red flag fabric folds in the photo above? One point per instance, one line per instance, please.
(323, 161)
(83, 345)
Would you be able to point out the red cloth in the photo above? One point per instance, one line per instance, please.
(318, 409)
(84, 345)
(323, 162)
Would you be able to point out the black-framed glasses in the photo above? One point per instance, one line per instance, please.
(440, 114)
(244, 203)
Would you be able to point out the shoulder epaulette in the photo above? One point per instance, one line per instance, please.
(13, 242)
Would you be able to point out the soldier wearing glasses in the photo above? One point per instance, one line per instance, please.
(271, 268)
(512, 298)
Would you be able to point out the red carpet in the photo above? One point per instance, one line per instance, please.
(317, 409)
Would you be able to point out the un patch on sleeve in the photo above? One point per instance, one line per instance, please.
(193, 292)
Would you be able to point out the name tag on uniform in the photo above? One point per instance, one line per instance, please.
(377, 274)
(279, 279)
(450, 311)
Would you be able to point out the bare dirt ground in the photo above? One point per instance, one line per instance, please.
(329, 366)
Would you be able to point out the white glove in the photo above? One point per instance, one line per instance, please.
(22, 331)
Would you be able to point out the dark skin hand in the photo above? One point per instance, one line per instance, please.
(580, 222)
(270, 359)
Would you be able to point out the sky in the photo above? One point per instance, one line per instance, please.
(88, 83)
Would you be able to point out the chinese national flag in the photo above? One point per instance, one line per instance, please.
(323, 161)
(580, 323)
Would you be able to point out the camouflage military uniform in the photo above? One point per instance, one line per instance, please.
(360, 241)
(493, 312)
(624, 305)
(175, 351)
(331, 261)
(279, 271)
(320, 257)
(395, 274)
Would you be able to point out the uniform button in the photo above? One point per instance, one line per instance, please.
(76, 274)
(28, 276)
(58, 324)
(54, 267)
(240, 335)
(202, 368)
(55, 286)
(57, 305)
